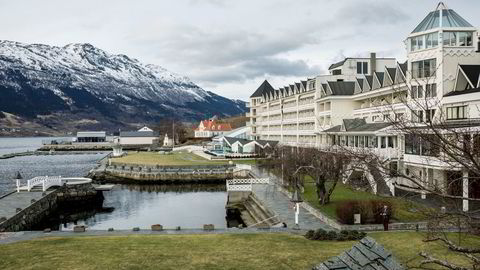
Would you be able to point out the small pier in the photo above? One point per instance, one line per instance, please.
(36, 198)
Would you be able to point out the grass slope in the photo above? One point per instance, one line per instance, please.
(342, 192)
(174, 159)
(221, 251)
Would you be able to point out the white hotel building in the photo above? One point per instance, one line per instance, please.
(358, 100)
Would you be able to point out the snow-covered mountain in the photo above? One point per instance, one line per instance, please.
(84, 84)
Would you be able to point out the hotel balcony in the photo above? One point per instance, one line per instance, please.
(385, 153)
(247, 104)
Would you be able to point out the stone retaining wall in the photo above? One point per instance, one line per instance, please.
(31, 215)
(123, 173)
(66, 196)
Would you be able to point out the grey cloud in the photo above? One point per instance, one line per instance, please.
(368, 12)
(235, 56)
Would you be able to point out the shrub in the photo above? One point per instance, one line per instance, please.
(347, 209)
(332, 235)
(344, 235)
(310, 234)
(320, 234)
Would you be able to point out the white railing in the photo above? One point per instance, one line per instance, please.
(245, 184)
(44, 181)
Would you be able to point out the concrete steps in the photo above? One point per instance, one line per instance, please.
(258, 213)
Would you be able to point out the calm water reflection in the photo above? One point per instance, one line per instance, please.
(129, 206)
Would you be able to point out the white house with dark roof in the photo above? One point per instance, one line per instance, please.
(143, 136)
(439, 82)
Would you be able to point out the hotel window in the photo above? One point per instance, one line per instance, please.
(449, 38)
(413, 91)
(432, 40)
(420, 91)
(417, 116)
(362, 67)
(465, 39)
(417, 43)
(431, 90)
(429, 114)
(455, 113)
(424, 68)
(337, 72)
(399, 116)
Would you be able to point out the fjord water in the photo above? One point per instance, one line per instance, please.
(124, 207)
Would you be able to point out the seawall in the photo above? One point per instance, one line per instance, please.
(127, 173)
(38, 210)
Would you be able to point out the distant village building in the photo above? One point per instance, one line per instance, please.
(210, 128)
(91, 136)
(167, 142)
(144, 136)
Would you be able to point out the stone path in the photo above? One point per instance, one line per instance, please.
(278, 202)
(10, 203)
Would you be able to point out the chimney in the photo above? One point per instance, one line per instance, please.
(373, 62)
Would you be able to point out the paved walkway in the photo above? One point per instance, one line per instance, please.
(274, 199)
(278, 202)
(10, 203)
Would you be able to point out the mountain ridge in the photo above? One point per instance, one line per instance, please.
(79, 79)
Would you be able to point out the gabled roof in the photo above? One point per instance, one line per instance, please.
(392, 72)
(342, 88)
(366, 254)
(369, 79)
(304, 83)
(138, 134)
(212, 125)
(462, 92)
(264, 88)
(404, 67)
(472, 72)
(338, 64)
(449, 19)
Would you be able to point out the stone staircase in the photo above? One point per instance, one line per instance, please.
(256, 214)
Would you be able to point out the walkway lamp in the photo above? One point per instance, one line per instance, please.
(297, 199)
(18, 177)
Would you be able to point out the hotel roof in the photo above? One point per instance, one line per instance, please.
(448, 19)
(264, 88)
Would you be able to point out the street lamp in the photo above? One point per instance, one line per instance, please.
(297, 199)
(18, 177)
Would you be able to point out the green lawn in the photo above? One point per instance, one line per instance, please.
(342, 192)
(173, 159)
(221, 251)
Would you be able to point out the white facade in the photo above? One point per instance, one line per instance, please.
(384, 91)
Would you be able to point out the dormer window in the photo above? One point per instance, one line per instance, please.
(337, 72)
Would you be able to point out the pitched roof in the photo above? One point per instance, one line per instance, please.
(264, 88)
(138, 134)
(212, 125)
(472, 72)
(366, 254)
(449, 19)
(462, 92)
(369, 79)
(392, 72)
(338, 64)
(342, 88)
(357, 125)
(404, 67)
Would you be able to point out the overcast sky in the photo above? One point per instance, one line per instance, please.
(227, 46)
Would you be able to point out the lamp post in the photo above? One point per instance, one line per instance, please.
(297, 199)
(18, 177)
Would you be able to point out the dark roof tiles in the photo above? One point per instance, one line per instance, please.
(263, 89)
(366, 254)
